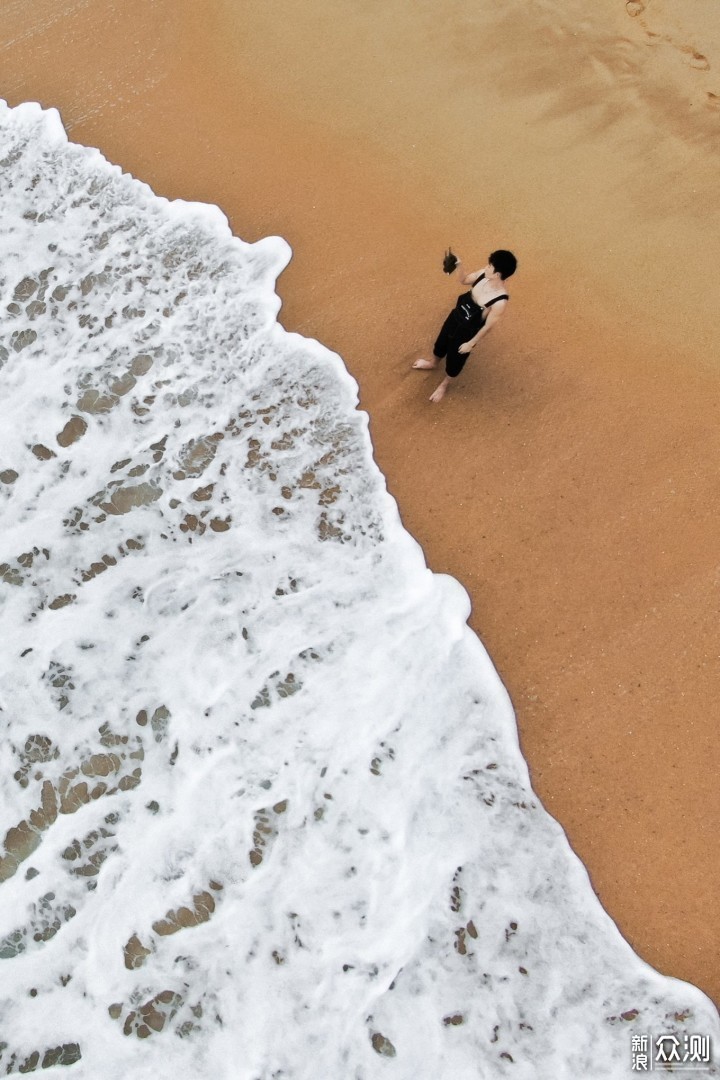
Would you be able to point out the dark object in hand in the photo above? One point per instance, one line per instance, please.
(450, 261)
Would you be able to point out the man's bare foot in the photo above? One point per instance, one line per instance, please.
(425, 365)
(440, 392)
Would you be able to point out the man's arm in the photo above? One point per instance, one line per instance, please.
(495, 313)
(467, 279)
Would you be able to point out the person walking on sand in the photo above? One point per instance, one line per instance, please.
(474, 316)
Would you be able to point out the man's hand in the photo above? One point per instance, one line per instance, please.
(466, 347)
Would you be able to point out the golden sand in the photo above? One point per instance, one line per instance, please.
(569, 480)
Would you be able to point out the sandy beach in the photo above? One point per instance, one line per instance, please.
(569, 480)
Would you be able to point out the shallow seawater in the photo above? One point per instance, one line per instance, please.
(263, 806)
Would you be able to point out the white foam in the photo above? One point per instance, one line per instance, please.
(306, 748)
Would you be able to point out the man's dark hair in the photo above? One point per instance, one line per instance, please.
(504, 262)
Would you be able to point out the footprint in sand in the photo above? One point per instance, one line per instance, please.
(713, 99)
(634, 8)
(700, 62)
(697, 60)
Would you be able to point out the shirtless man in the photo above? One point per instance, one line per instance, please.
(474, 316)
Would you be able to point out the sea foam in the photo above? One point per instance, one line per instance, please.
(264, 808)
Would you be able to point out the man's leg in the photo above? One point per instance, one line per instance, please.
(439, 394)
(440, 347)
(454, 363)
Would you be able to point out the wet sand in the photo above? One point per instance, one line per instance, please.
(570, 479)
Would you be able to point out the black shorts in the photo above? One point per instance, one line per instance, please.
(455, 331)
